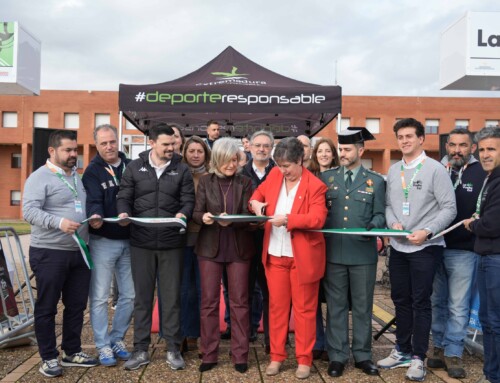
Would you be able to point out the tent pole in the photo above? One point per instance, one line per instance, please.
(339, 121)
(120, 133)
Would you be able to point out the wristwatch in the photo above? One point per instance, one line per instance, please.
(429, 234)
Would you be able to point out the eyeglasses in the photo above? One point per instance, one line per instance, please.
(264, 146)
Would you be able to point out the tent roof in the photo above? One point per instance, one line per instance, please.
(238, 93)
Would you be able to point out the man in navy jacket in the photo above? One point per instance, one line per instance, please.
(109, 246)
(485, 224)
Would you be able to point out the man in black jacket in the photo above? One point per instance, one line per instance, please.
(485, 224)
(109, 246)
(455, 272)
(157, 184)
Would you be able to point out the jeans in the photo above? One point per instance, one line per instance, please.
(320, 330)
(111, 257)
(59, 272)
(412, 275)
(190, 295)
(488, 284)
(451, 299)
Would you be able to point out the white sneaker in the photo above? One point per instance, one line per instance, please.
(416, 371)
(395, 359)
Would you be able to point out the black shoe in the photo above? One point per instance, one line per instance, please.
(206, 366)
(253, 335)
(335, 369)
(317, 354)
(226, 334)
(367, 367)
(241, 367)
(324, 356)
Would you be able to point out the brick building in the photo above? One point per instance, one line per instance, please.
(82, 110)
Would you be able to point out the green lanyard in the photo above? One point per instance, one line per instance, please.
(406, 188)
(479, 198)
(70, 187)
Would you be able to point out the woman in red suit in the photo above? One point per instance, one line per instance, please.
(223, 245)
(294, 258)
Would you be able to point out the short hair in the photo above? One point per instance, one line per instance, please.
(57, 136)
(160, 129)
(263, 133)
(410, 123)
(289, 149)
(488, 132)
(197, 140)
(210, 122)
(104, 127)
(463, 132)
(314, 166)
(223, 151)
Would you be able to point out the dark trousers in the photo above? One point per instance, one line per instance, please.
(211, 274)
(147, 266)
(190, 295)
(339, 280)
(411, 276)
(488, 285)
(59, 272)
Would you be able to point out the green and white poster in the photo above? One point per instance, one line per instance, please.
(7, 44)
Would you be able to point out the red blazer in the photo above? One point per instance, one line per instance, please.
(308, 212)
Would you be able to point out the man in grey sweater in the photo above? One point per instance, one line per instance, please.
(54, 205)
(420, 199)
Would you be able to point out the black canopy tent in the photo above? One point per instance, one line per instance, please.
(241, 95)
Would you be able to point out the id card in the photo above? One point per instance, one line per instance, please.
(406, 208)
(78, 206)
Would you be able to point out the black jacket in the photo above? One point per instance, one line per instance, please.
(466, 194)
(101, 195)
(250, 173)
(143, 194)
(487, 227)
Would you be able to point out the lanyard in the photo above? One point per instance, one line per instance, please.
(111, 172)
(458, 181)
(70, 187)
(478, 203)
(406, 188)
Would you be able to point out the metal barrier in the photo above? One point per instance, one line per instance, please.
(17, 302)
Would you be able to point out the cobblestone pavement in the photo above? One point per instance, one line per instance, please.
(22, 363)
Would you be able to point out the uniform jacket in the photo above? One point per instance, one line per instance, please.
(308, 212)
(101, 196)
(362, 205)
(208, 199)
(143, 194)
(487, 227)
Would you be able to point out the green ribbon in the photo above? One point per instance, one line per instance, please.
(363, 231)
(84, 250)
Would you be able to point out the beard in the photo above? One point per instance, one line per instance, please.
(459, 162)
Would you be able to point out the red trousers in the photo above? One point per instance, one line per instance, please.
(284, 290)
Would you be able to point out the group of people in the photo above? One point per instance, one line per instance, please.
(292, 195)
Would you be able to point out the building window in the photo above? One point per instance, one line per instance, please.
(15, 198)
(464, 124)
(9, 119)
(79, 163)
(101, 119)
(431, 126)
(373, 125)
(491, 123)
(71, 121)
(15, 161)
(367, 163)
(129, 125)
(345, 122)
(40, 120)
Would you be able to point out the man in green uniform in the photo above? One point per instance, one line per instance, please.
(355, 199)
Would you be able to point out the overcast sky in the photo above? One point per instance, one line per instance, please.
(381, 47)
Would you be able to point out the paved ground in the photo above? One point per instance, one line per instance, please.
(21, 363)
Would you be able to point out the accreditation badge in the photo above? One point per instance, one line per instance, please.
(406, 208)
(78, 206)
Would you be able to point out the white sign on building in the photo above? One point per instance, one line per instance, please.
(470, 53)
(19, 60)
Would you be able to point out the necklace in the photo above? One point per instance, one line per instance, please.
(224, 194)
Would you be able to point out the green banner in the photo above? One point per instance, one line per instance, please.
(6, 44)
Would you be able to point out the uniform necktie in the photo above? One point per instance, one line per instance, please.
(348, 181)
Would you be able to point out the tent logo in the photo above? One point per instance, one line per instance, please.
(233, 75)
